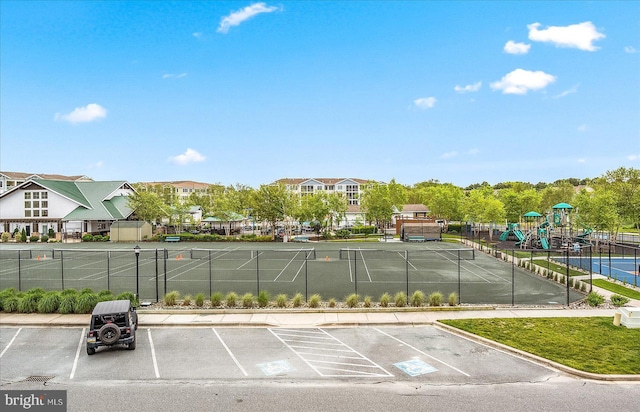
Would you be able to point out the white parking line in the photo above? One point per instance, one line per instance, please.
(153, 355)
(10, 342)
(424, 353)
(229, 352)
(75, 361)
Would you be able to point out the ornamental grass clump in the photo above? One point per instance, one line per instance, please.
(352, 300)
(67, 303)
(314, 301)
(10, 303)
(28, 303)
(131, 297)
(171, 298)
(105, 295)
(199, 300)
(594, 299)
(619, 300)
(186, 301)
(453, 299)
(263, 298)
(281, 300)
(297, 300)
(367, 301)
(435, 299)
(417, 298)
(216, 299)
(231, 299)
(400, 299)
(85, 302)
(247, 300)
(384, 300)
(332, 302)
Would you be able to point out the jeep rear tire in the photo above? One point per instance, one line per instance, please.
(132, 345)
(91, 351)
(109, 333)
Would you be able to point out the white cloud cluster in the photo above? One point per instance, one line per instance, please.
(173, 76)
(630, 49)
(468, 88)
(520, 81)
(88, 113)
(425, 102)
(580, 36)
(516, 48)
(190, 156)
(239, 16)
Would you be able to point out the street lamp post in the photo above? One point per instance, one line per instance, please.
(136, 250)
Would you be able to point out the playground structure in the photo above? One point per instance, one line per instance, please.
(551, 233)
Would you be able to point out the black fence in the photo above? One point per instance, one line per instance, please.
(474, 278)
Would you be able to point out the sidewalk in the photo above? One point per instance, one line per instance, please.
(299, 319)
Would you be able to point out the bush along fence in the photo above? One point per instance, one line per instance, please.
(334, 274)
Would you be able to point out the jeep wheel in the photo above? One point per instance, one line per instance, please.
(132, 345)
(109, 333)
(91, 351)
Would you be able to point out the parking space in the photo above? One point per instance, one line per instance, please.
(422, 354)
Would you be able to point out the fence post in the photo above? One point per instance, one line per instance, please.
(19, 273)
(306, 278)
(62, 268)
(164, 257)
(355, 270)
(108, 270)
(258, 271)
(459, 287)
(567, 271)
(157, 274)
(406, 258)
(513, 277)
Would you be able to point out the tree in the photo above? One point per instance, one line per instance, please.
(481, 206)
(273, 203)
(444, 201)
(625, 186)
(552, 195)
(147, 206)
(597, 210)
(379, 201)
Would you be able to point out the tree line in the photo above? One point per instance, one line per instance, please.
(605, 203)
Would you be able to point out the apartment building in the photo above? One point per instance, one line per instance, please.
(11, 180)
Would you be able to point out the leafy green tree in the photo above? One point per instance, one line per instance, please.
(147, 206)
(380, 201)
(273, 203)
(552, 195)
(597, 210)
(444, 201)
(625, 186)
(481, 206)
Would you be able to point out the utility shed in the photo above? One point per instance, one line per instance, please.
(130, 231)
(423, 231)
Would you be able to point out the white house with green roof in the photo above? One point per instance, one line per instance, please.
(68, 207)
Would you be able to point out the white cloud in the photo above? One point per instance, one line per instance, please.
(633, 157)
(516, 48)
(449, 155)
(96, 165)
(572, 90)
(85, 114)
(630, 49)
(583, 128)
(425, 102)
(520, 81)
(582, 160)
(190, 156)
(173, 76)
(473, 152)
(239, 16)
(580, 36)
(197, 34)
(468, 88)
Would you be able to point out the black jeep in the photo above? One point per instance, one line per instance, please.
(113, 322)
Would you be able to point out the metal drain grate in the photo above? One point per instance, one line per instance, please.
(38, 378)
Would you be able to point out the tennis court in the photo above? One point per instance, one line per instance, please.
(333, 270)
(623, 269)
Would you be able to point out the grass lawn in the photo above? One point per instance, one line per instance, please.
(587, 344)
(615, 288)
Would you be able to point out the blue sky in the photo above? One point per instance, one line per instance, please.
(250, 92)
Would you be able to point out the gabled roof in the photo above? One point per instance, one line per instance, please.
(324, 180)
(25, 176)
(95, 200)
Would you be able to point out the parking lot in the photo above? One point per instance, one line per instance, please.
(422, 354)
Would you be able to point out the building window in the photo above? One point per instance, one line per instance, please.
(36, 213)
(27, 195)
(36, 195)
(45, 213)
(27, 213)
(44, 195)
(45, 204)
(329, 187)
(27, 204)
(36, 204)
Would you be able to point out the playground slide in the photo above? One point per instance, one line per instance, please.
(545, 243)
(519, 235)
(504, 236)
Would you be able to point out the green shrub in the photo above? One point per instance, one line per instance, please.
(400, 300)
(314, 301)
(297, 300)
(352, 300)
(86, 290)
(10, 303)
(417, 298)
(186, 301)
(44, 239)
(85, 303)
(200, 300)
(619, 300)
(18, 237)
(216, 299)
(87, 237)
(367, 301)
(231, 299)
(583, 287)
(384, 300)
(453, 299)
(5, 237)
(49, 303)
(332, 303)
(105, 295)
(28, 303)
(67, 292)
(34, 238)
(247, 300)
(39, 292)
(281, 300)
(263, 298)
(435, 299)
(595, 299)
(171, 298)
(67, 303)
(4, 294)
(130, 296)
